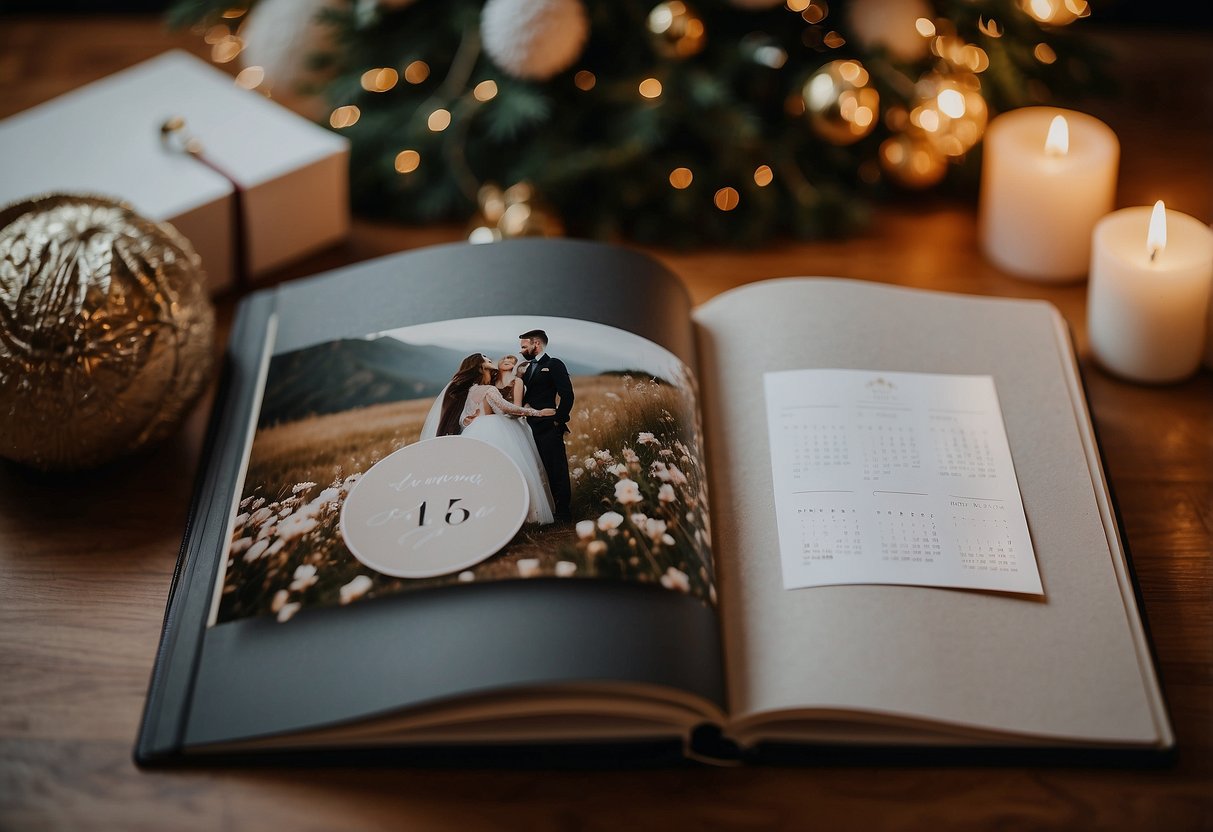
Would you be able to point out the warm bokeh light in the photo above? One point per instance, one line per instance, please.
(485, 90)
(834, 40)
(346, 116)
(226, 50)
(1055, 12)
(439, 120)
(1057, 143)
(726, 199)
(585, 80)
(1156, 238)
(407, 161)
(250, 77)
(763, 176)
(650, 88)
(1044, 53)
(925, 27)
(798, 5)
(380, 80)
(681, 178)
(416, 72)
(951, 103)
(990, 28)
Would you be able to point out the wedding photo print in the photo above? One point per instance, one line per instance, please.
(470, 450)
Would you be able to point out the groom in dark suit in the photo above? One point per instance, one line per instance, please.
(548, 385)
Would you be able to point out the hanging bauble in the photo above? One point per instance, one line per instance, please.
(105, 331)
(950, 112)
(281, 37)
(534, 39)
(911, 161)
(515, 212)
(676, 30)
(840, 102)
(891, 25)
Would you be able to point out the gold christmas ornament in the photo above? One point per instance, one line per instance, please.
(840, 103)
(105, 331)
(514, 212)
(676, 30)
(912, 162)
(951, 113)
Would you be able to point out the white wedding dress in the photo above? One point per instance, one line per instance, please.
(498, 426)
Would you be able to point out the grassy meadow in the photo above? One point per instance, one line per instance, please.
(639, 498)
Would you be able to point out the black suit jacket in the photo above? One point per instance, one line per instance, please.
(548, 380)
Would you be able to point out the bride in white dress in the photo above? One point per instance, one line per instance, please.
(471, 406)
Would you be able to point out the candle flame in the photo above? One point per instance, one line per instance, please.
(1156, 238)
(1058, 141)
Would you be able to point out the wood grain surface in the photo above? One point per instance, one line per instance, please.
(86, 560)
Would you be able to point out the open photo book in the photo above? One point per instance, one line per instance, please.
(523, 502)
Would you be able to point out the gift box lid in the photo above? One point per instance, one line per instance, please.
(105, 138)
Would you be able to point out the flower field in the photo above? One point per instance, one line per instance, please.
(639, 493)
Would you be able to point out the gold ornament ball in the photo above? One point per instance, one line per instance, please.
(912, 162)
(676, 30)
(951, 112)
(105, 331)
(841, 105)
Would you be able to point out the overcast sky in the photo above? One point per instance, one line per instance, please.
(601, 347)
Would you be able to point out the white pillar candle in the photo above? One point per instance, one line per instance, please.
(1041, 195)
(1149, 296)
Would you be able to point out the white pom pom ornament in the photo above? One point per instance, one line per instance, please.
(534, 39)
(278, 36)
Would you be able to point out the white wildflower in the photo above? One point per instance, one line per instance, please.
(303, 486)
(275, 547)
(467, 576)
(241, 545)
(638, 519)
(241, 519)
(266, 531)
(328, 495)
(667, 539)
(666, 493)
(629, 456)
(676, 476)
(528, 567)
(355, 589)
(591, 463)
(596, 548)
(602, 456)
(565, 569)
(258, 503)
(256, 551)
(666, 452)
(627, 492)
(296, 526)
(288, 611)
(646, 438)
(676, 579)
(260, 516)
(585, 529)
(244, 504)
(655, 528)
(610, 520)
(280, 599)
(577, 472)
(618, 469)
(305, 576)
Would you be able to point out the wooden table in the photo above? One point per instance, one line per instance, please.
(85, 560)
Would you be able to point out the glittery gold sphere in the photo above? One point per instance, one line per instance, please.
(514, 212)
(105, 331)
(676, 30)
(911, 161)
(840, 103)
(951, 112)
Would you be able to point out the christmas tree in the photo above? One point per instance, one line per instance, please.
(670, 122)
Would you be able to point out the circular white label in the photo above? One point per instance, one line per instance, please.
(434, 507)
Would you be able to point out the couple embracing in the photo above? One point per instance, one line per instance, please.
(487, 400)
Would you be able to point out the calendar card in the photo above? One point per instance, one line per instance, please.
(895, 478)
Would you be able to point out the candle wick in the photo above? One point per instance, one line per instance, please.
(1153, 254)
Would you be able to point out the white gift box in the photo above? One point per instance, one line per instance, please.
(105, 139)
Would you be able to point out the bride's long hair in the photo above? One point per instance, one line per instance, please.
(470, 372)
